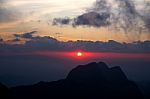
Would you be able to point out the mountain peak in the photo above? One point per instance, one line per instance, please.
(96, 72)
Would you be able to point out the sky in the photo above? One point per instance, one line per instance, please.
(20, 16)
(39, 39)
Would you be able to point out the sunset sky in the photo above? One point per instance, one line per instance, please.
(21, 16)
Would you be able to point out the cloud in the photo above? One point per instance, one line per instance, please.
(92, 19)
(120, 15)
(128, 18)
(16, 40)
(28, 35)
(1, 40)
(46, 43)
(87, 19)
(147, 14)
(96, 16)
(61, 21)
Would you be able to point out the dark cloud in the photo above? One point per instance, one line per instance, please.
(1, 40)
(88, 19)
(61, 21)
(28, 35)
(92, 19)
(120, 15)
(16, 40)
(37, 43)
(97, 16)
(124, 16)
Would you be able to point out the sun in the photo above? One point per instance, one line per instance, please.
(79, 54)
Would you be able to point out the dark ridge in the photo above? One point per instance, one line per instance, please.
(3, 91)
(91, 81)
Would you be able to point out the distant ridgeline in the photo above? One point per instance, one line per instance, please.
(91, 81)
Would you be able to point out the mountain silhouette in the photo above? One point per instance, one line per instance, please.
(91, 81)
(3, 91)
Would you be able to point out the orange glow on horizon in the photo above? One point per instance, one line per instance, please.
(86, 55)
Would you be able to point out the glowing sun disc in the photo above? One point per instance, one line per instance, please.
(79, 54)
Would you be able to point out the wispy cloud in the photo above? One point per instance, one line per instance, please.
(120, 15)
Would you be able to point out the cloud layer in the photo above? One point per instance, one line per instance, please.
(46, 43)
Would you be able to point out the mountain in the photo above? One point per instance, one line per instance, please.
(145, 88)
(91, 81)
(3, 91)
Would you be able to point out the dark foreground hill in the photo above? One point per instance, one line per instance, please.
(3, 91)
(91, 81)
